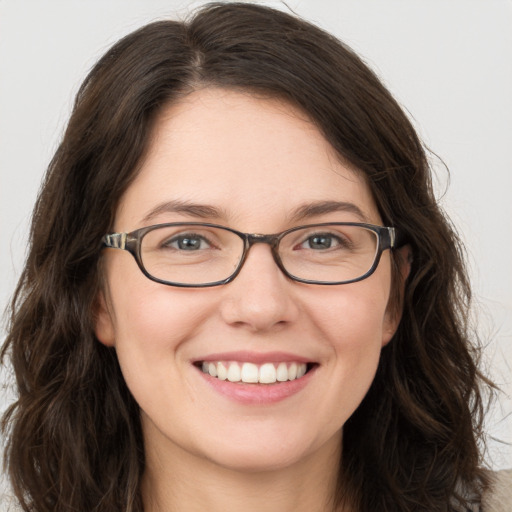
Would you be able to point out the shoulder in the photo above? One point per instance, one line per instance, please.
(498, 497)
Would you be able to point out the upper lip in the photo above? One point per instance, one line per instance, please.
(254, 357)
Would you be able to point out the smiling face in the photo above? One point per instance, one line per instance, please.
(257, 166)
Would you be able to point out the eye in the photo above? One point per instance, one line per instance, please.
(187, 242)
(322, 241)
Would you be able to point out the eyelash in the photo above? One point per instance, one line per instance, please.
(181, 237)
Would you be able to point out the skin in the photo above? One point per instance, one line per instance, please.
(256, 160)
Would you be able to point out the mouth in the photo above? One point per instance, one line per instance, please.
(251, 373)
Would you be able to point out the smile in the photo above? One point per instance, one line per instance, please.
(250, 373)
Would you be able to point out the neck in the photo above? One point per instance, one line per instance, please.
(176, 480)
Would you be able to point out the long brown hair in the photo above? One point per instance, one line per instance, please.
(74, 435)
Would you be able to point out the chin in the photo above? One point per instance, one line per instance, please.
(260, 451)
(258, 461)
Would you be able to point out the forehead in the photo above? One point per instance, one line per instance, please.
(253, 159)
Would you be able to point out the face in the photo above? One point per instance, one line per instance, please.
(250, 164)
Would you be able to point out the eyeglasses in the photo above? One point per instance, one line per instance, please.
(200, 254)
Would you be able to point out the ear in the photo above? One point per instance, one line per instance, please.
(103, 321)
(394, 310)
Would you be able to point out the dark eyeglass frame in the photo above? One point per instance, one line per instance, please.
(387, 238)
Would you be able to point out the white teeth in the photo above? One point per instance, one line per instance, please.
(212, 369)
(249, 373)
(234, 374)
(282, 372)
(222, 371)
(292, 371)
(267, 373)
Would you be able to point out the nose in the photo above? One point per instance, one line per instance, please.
(261, 297)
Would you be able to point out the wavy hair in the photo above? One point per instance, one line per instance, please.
(74, 433)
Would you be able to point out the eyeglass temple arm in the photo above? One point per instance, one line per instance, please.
(115, 240)
(392, 238)
(397, 238)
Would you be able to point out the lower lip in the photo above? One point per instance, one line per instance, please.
(257, 394)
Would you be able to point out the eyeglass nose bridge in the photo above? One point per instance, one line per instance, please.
(251, 239)
(256, 238)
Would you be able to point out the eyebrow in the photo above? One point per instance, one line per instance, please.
(201, 211)
(323, 207)
(205, 211)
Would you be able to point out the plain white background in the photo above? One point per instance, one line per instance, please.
(449, 63)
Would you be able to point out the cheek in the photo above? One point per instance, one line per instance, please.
(157, 323)
(151, 325)
(350, 322)
(146, 312)
(353, 316)
(356, 337)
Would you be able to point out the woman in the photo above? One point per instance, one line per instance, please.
(288, 331)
